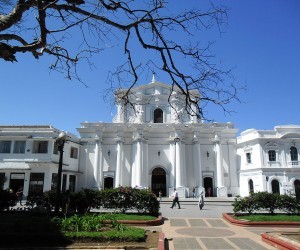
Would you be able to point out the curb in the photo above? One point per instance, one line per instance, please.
(161, 241)
(278, 243)
(156, 222)
(230, 219)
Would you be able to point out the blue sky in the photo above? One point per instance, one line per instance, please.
(261, 41)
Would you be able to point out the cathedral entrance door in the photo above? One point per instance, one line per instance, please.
(108, 182)
(158, 181)
(208, 185)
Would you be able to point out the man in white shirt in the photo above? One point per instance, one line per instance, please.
(175, 199)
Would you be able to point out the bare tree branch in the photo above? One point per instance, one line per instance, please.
(43, 27)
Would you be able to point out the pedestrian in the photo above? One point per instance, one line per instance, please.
(208, 191)
(201, 200)
(19, 195)
(194, 192)
(175, 199)
(159, 195)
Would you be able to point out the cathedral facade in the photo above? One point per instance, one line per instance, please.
(153, 142)
(156, 144)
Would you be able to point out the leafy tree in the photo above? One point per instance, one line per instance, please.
(71, 31)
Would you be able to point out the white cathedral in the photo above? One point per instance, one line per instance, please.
(155, 145)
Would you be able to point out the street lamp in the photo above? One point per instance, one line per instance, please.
(60, 142)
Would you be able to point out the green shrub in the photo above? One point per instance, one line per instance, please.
(246, 204)
(288, 204)
(7, 199)
(123, 199)
(266, 201)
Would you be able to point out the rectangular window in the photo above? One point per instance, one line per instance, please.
(74, 153)
(5, 147)
(55, 149)
(36, 184)
(40, 147)
(272, 155)
(19, 147)
(54, 182)
(72, 183)
(248, 156)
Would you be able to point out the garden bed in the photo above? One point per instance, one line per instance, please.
(41, 231)
(237, 219)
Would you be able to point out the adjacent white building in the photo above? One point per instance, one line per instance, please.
(154, 144)
(269, 160)
(29, 159)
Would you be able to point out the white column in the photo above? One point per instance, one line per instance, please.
(173, 163)
(178, 173)
(146, 181)
(100, 172)
(67, 181)
(133, 166)
(219, 162)
(197, 164)
(221, 190)
(96, 164)
(118, 181)
(139, 165)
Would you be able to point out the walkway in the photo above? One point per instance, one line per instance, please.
(192, 228)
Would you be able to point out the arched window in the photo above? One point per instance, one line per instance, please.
(275, 187)
(250, 185)
(297, 189)
(294, 154)
(158, 116)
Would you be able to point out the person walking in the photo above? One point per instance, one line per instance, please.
(201, 200)
(19, 195)
(175, 199)
(159, 195)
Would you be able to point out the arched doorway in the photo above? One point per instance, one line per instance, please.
(108, 182)
(208, 185)
(158, 181)
(250, 186)
(297, 189)
(275, 187)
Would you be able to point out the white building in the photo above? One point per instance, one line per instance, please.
(269, 160)
(154, 145)
(29, 159)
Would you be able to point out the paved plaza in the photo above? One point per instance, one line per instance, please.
(190, 228)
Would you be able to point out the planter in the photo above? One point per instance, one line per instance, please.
(243, 223)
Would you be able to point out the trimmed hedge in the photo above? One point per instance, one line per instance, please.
(266, 201)
(121, 200)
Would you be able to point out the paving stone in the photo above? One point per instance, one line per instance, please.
(245, 243)
(216, 223)
(186, 244)
(178, 223)
(205, 232)
(216, 243)
(197, 223)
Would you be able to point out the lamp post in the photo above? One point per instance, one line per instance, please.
(60, 142)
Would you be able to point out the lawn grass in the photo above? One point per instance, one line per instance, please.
(268, 217)
(13, 224)
(129, 234)
(116, 216)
